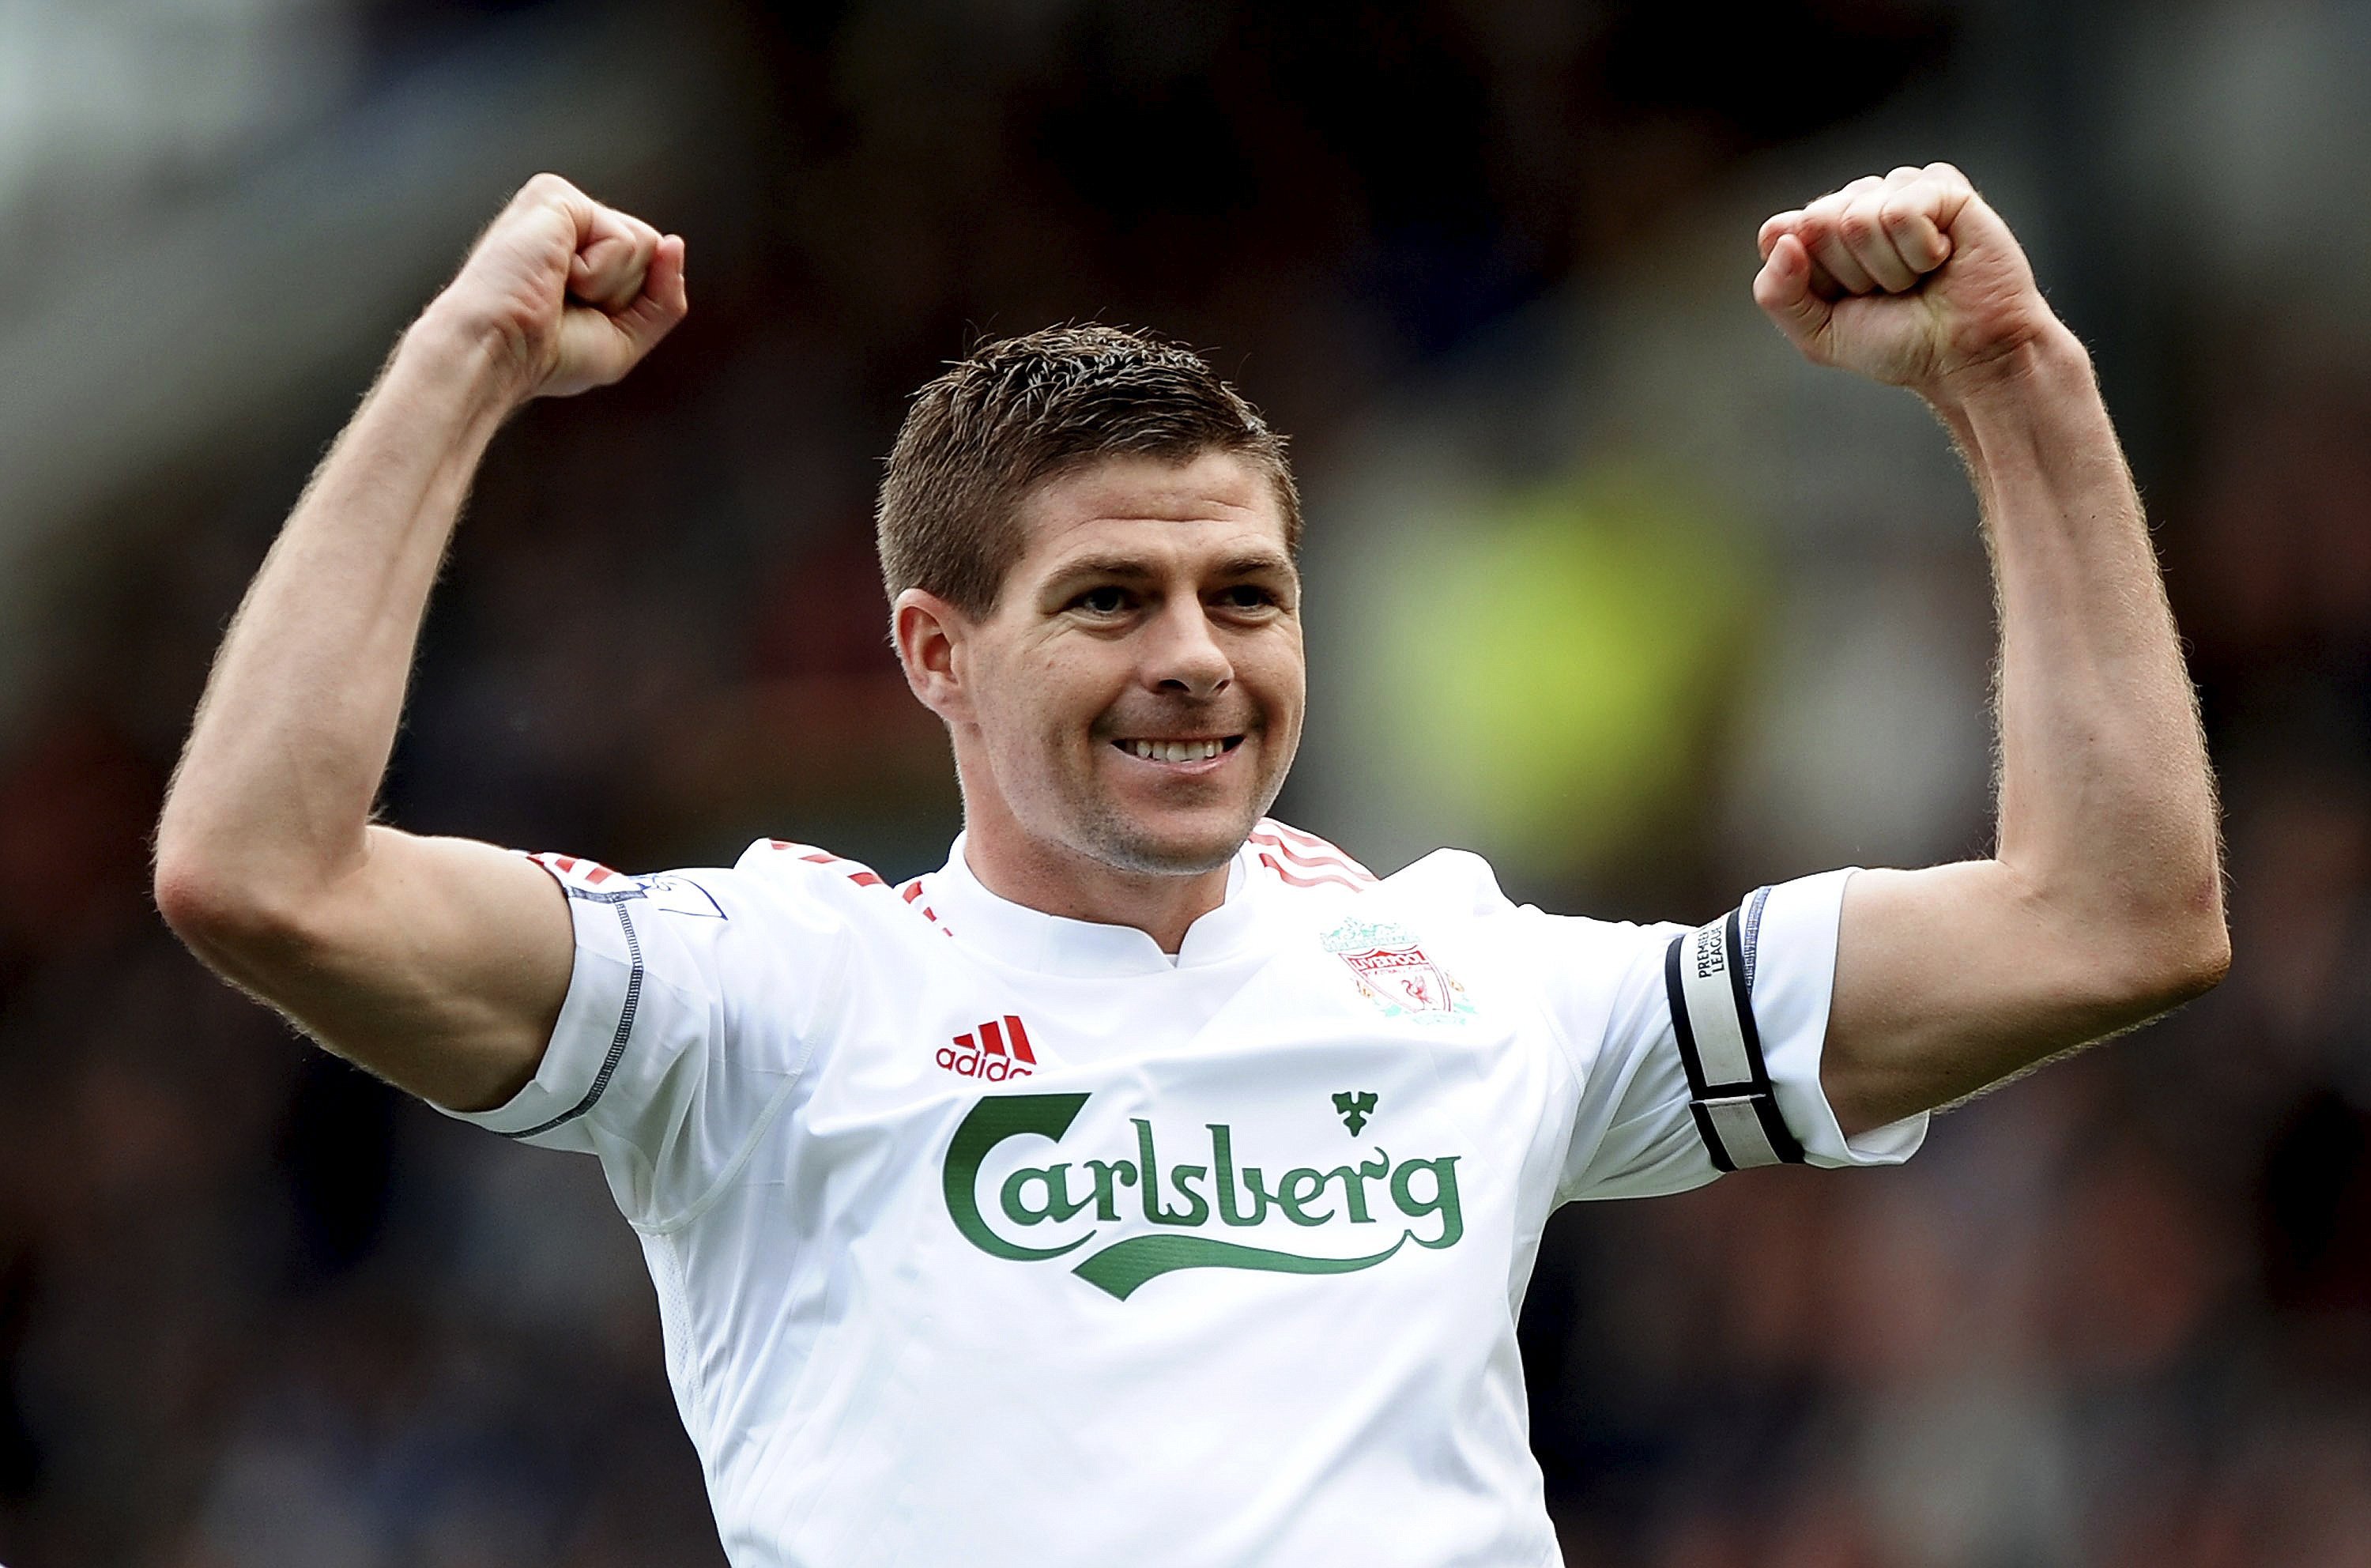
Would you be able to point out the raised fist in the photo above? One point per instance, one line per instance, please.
(1910, 279)
(570, 294)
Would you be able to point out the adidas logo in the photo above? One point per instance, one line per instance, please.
(994, 1051)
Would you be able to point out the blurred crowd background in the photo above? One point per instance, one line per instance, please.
(1603, 584)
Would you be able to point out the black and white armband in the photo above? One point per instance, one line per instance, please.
(1708, 974)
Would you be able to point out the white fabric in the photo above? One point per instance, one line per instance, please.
(1361, 1099)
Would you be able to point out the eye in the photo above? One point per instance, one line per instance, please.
(1246, 596)
(1107, 600)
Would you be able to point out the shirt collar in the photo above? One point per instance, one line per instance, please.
(1031, 939)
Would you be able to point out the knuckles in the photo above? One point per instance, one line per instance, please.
(548, 187)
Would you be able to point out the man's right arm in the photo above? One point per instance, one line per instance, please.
(439, 963)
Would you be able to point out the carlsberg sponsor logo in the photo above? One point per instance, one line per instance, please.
(1191, 1203)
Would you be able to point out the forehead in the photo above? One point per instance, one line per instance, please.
(1177, 514)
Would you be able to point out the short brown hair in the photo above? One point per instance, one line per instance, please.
(1022, 410)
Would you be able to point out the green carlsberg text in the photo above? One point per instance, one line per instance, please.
(1186, 1201)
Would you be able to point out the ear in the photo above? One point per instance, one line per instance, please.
(930, 634)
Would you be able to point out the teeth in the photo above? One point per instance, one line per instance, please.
(1176, 751)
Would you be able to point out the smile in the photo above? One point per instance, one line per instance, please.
(1179, 750)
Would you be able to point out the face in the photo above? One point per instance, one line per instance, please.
(1135, 699)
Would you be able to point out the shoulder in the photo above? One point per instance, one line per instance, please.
(1459, 885)
(1446, 883)
(807, 874)
(1455, 881)
(783, 863)
(1447, 887)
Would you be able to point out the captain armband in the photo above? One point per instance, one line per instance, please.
(1708, 975)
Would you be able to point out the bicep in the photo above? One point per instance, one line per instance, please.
(438, 964)
(1951, 978)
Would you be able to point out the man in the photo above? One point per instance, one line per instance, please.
(1153, 1183)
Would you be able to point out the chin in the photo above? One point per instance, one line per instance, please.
(1175, 849)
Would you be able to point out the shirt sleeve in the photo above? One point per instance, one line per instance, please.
(1707, 1050)
(695, 1003)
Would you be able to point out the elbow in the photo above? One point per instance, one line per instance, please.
(2119, 961)
(2199, 942)
(231, 919)
(2202, 961)
(188, 883)
(207, 910)
(254, 907)
(2179, 956)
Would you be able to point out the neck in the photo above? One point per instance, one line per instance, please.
(1054, 880)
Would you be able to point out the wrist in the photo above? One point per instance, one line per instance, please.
(2033, 416)
(2051, 360)
(487, 366)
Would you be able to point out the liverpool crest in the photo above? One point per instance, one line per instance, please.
(1393, 972)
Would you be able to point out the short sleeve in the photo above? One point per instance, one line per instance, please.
(695, 1002)
(1707, 1050)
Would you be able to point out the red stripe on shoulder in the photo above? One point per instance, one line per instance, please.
(1317, 879)
(862, 875)
(806, 852)
(1309, 841)
(1306, 852)
(1306, 857)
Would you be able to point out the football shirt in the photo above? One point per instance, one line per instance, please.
(990, 1236)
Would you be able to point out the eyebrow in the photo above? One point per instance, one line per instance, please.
(1136, 567)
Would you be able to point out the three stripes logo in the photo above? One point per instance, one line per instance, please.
(995, 1051)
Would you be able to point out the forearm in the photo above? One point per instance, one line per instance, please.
(2107, 812)
(285, 760)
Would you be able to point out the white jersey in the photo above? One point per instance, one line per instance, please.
(986, 1237)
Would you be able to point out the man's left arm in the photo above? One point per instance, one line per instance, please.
(2102, 904)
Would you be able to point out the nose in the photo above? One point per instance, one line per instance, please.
(1181, 655)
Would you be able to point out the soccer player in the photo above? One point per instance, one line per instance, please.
(1152, 1183)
